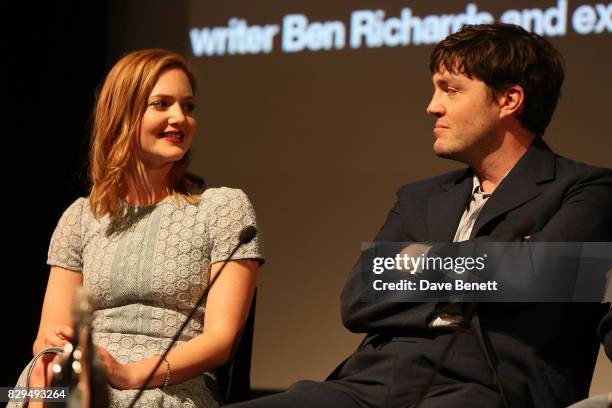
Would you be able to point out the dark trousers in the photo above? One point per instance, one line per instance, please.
(390, 372)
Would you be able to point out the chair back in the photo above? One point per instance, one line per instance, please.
(234, 377)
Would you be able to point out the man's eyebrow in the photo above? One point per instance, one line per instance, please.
(440, 81)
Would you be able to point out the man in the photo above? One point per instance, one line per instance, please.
(496, 87)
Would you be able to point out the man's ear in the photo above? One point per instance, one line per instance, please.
(510, 101)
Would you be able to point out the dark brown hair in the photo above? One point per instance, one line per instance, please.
(503, 55)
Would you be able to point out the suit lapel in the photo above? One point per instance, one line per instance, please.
(444, 209)
(523, 183)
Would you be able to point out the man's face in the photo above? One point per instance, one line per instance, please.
(467, 117)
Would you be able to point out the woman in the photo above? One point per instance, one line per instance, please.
(146, 245)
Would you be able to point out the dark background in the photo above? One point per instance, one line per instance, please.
(55, 56)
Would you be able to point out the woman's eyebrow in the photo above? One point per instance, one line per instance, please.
(161, 95)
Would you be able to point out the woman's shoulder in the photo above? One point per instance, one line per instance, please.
(220, 195)
(78, 206)
(75, 216)
(221, 200)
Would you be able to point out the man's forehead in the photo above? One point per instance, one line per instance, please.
(443, 75)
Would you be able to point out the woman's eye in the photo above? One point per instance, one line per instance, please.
(159, 104)
(189, 107)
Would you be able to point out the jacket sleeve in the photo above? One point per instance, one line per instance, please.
(362, 317)
(581, 214)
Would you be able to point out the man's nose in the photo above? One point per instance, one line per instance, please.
(435, 108)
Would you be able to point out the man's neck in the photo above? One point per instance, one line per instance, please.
(492, 169)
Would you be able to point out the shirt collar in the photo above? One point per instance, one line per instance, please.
(477, 188)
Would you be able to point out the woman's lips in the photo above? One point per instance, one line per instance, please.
(172, 137)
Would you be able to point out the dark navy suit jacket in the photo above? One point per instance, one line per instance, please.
(545, 352)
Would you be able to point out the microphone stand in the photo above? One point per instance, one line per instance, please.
(246, 235)
(79, 369)
(524, 226)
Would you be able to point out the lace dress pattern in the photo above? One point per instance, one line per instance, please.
(146, 272)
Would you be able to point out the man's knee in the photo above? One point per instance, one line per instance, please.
(303, 394)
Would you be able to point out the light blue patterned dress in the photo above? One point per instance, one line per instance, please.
(146, 272)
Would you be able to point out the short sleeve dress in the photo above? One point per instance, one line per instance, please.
(146, 273)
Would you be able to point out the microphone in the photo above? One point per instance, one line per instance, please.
(523, 227)
(79, 369)
(246, 235)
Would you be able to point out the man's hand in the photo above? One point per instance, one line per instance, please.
(415, 250)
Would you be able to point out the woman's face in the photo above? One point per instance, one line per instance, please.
(168, 125)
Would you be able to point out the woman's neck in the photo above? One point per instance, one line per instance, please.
(151, 190)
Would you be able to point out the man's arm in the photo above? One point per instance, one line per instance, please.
(362, 317)
(581, 214)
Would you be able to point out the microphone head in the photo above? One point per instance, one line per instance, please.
(247, 234)
(524, 226)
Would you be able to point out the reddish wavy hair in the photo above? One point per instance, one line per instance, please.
(119, 108)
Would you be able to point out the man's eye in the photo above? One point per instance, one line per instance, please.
(189, 107)
(452, 91)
